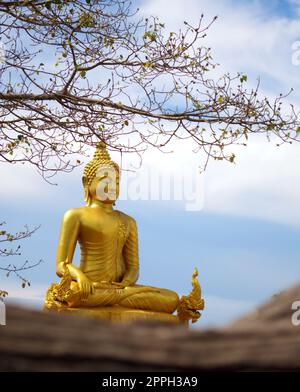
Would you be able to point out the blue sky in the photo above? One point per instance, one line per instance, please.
(245, 240)
(273, 7)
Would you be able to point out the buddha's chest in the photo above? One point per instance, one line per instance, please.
(104, 228)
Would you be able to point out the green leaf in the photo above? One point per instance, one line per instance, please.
(150, 36)
(243, 78)
(232, 158)
(147, 64)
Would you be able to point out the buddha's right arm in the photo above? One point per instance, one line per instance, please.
(66, 246)
(67, 242)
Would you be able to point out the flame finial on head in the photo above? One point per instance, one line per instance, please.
(101, 153)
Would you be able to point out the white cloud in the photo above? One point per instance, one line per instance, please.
(19, 181)
(28, 297)
(265, 181)
(244, 38)
(23, 183)
(219, 311)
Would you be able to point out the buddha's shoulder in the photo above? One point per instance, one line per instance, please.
(125, 217)
(74, 213)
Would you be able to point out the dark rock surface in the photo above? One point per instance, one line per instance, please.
(40, 341)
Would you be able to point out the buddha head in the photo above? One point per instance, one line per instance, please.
(101, 177)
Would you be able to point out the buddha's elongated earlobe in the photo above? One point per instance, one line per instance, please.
(86, 194)
(86, 189)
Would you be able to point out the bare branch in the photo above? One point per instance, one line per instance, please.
(76, 72)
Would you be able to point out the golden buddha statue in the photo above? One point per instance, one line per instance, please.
(104, 285)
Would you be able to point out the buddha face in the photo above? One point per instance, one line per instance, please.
(105, 184)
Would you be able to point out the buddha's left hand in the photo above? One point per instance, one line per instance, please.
(120, 285)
